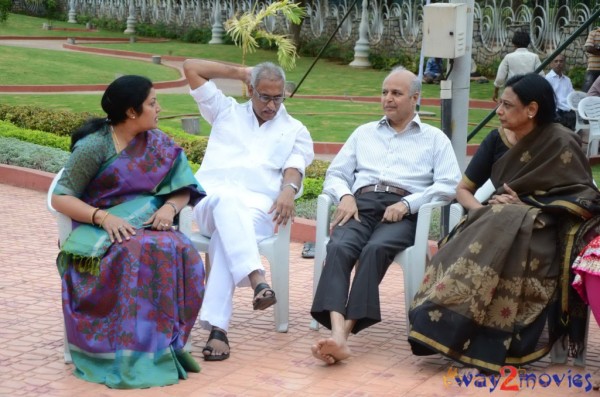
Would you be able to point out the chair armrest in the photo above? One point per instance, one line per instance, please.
(185, 220)
(421, 244)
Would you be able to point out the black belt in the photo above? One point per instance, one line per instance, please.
(381, 188)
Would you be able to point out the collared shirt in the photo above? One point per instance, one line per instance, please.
(520, 61)
(419, 159)
(562, 88)
(593, 40)
(595, 88)
(247, 157)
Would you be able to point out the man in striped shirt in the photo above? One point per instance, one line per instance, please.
(380, 178)
(592, 49)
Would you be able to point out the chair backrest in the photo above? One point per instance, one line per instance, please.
(63, 222)
(574, 98)
(589, 108)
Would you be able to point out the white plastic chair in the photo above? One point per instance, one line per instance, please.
(573, 100)
(412, 259)
(589, 109)
(64, 229)
(277, 251)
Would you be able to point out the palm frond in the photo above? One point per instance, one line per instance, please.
(245, 29)
(286, 50)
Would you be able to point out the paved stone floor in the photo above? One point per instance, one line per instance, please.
(262, 363)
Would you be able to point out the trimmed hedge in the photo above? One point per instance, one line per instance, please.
(9, 130)
(59, 122)
(30, 155)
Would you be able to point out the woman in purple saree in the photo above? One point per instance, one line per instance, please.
(132, 285)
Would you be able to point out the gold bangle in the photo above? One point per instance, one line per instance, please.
(94, 216)
(172, 204)
(104, 218)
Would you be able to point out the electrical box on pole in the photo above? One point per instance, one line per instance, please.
(445, 30)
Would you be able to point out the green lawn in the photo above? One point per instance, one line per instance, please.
(23, 25)
(327, 120)
(36, 66)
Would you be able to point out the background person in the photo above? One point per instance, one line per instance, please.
(252, 171)
(433, 70)
(132, 286)
(520, 61)
(595, 88)
(497, 280)
(562, 86)
(381, 177)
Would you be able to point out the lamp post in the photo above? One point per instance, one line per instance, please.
(131, 19)
(72, 13)
(217, 28)
(361, 49)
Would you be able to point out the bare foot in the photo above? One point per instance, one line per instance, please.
(339, 350)
(316, 351)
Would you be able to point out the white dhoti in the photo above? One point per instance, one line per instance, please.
(234, 228)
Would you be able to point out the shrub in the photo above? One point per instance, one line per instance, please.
(59, 122)
(389, 61)
(317, 169)
(5, 7)
(9, 130)
(194, 149)
(29, 155)
(196, 35)
(312, 188)
(577, 76)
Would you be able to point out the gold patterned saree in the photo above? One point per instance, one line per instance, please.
(497, 291)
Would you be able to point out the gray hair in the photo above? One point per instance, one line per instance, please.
(415, 84)
(266, 70)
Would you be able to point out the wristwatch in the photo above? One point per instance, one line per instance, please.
(293, 186)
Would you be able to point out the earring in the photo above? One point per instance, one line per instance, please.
(530, 117)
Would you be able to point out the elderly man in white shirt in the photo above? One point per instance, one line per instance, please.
(252, 171)
(383, 174)
(520, 61)
(562, 86)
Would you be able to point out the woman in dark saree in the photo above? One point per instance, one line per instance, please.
(496, 293)
(132, 286)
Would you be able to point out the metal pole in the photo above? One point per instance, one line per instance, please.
(461, 85)
(446, 116)
(325, 46)
(549, 59)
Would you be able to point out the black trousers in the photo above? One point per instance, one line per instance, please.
(566, 118)
(590, 77)
(374, 245)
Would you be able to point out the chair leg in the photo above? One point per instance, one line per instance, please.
(67, 351)
(206, 266)
(279, 262)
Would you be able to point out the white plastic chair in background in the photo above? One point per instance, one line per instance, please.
(573, 100)
(412, 259)
(589, 109)
(277, 251)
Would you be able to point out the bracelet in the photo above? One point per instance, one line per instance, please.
(94, 216)
(405, 202)
(172, 204)
(103, 218)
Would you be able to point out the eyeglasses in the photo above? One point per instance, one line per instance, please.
(277, 100)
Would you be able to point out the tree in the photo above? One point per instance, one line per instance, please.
(245, 30)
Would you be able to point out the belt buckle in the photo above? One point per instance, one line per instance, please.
(378, 188)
